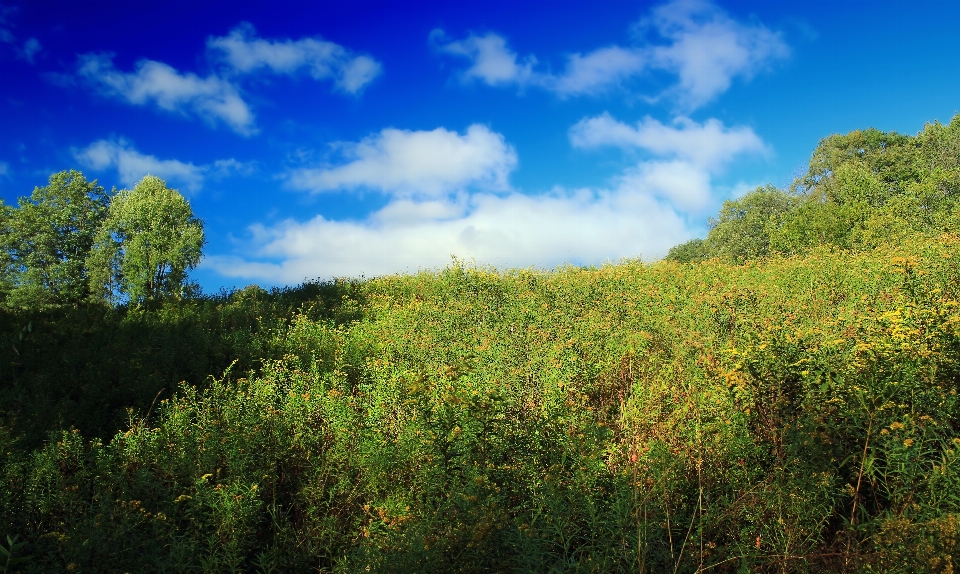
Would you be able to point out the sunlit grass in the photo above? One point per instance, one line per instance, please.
(795, 414)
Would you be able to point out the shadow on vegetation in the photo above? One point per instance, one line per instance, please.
(84, 366)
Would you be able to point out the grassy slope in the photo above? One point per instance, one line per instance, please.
(796, 414)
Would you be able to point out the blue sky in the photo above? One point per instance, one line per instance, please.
(330, 139)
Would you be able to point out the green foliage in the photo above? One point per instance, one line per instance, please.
(749, 413)
(861, 190)
(742, 229)
(689, 252)
(790, 415)
(45, 241)
(148, 242)
(71, 241)
(6, 257)
(10, 554)
(83, 367)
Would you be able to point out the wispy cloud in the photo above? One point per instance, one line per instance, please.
(217, 97)
(491, 61)
(494, 63)
(131, 165)
(211, 98)
(244, 53)
(707, 49)
(710, 144)
(693, 40)
(25, 50)
(404, 162)
(598, 71)
(30, 49)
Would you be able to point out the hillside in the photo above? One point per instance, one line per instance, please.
(781, 411)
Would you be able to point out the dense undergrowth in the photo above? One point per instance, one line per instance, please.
(791, 415)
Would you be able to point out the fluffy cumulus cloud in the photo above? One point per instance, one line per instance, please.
(131, 165)
(155, 83)
(686, 154)
(692, 40)
(449, 194)
(244, 53)
(682, 183)
(507, 230)
(404, 162)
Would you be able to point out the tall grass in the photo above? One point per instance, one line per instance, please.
(790, 415)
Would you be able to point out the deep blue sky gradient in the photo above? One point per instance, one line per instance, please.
(889, 65)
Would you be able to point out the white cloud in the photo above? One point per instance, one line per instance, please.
(687, 154)
(211, 98)
(217, 98)
(408, 163)
(513, 230)
(131, 165)
(709, 145)
(4, 169)
(699, 44)
(599, 70)
(492, 61)
(437, 209)
(244, 53)
(707, 48)
(683, 184)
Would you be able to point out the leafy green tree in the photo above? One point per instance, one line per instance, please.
(861, 190)
(148, 242)
(690, 252)
(6, 259)
(830, 213)
(889, 156)
(939, 145)
(742, 229)
(46, 240)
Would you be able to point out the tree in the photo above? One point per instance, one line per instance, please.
(861, 190)
(690, 252)
(148, 242)
(46, 240)
(6, 259)
(889, 156)
(742, 229)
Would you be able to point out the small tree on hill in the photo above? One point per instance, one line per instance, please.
(148, 242)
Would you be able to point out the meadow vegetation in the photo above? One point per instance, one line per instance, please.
(720, 411)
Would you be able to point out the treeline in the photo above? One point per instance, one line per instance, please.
(72, 242)
(862, 190)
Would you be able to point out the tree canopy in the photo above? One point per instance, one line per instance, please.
(72, 241)
(148, 242)
(46, 239)
(861, 189)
